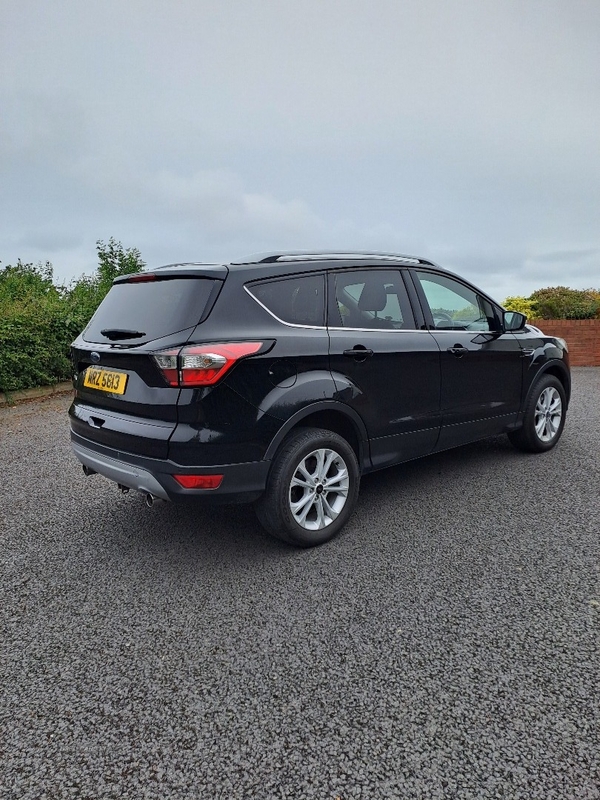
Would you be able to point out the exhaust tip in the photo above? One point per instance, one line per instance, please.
(150, 500)
(87, 471)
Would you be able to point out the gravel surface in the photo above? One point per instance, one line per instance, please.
(444, 646)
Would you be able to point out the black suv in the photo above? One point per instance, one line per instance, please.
(281, 378)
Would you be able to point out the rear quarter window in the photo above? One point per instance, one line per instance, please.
(298, 301)
(154, 309)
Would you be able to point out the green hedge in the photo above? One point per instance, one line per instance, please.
(557, 302)
(39, 319)
(34, 346)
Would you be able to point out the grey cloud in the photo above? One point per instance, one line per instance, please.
(578, 271)
(567, 256)
(462, 132)
(33, 126)
(49, 240)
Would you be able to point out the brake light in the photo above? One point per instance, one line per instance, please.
(202, 365)
(199, 481)
(141, 277)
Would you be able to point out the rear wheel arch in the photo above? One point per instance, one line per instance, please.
(329, 416)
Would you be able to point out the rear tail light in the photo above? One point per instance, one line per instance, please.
(199, 481)
(202, 365)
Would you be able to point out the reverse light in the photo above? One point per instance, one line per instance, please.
(202, 365)
(167, 363)
(199, 481)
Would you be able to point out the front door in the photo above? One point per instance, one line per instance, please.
(383, 367)
(481, 366)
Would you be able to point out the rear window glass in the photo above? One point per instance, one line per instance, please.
(152, 309)
(299, 300)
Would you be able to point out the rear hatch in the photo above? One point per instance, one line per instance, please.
(123, 399)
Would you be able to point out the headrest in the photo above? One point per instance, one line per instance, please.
(373, 296)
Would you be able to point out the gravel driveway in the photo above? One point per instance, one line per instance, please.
(444, 646)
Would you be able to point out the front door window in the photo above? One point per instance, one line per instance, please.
(455, 306)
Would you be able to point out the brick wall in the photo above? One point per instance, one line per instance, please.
(581, 335)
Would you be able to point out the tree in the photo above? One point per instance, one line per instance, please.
(115, 260)
(23, 282)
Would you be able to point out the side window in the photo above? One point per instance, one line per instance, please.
(299, 300)
(454, 306)
(371, 299)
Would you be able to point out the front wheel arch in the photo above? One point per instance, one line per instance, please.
(560, 371)
(526, 438)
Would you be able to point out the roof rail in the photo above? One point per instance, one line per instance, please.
(190, 264)
(327, 255)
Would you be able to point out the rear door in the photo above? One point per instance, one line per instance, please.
(122, 398)
(384, 367)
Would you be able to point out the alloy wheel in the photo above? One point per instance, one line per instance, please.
(319, 489)
(548, 414)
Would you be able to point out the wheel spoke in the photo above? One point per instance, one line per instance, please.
(320, 455)
(337, 483)
(321, 521)
(304, 484)
(301, 508)
(555, 406)
(327, 465)
(546, 399)
(331, 513)
(301, 468)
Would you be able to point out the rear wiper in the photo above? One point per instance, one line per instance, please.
(121, 333)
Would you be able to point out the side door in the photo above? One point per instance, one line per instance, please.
(386, 369)
(481, 366)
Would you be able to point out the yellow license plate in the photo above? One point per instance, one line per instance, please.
(105, 380)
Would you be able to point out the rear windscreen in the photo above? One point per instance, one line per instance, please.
(140, 312)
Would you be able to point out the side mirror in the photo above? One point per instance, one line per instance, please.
(513, 321)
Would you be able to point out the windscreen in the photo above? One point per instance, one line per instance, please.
(139, 312)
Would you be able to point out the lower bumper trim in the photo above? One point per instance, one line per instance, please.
(125, 474)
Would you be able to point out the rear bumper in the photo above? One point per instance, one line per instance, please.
(242, 483)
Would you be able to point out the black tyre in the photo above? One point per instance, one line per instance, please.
(544, 417)
(312, 488)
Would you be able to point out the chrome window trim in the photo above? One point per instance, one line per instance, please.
(283, 322)
(380, 330)
(331, 328)
(454, 331)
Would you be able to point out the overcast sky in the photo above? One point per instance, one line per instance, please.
(463, 131)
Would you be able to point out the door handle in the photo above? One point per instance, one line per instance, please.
(359, 353)
(458, 350)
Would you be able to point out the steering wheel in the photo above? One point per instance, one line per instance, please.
(477, 321)
(441, 316)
